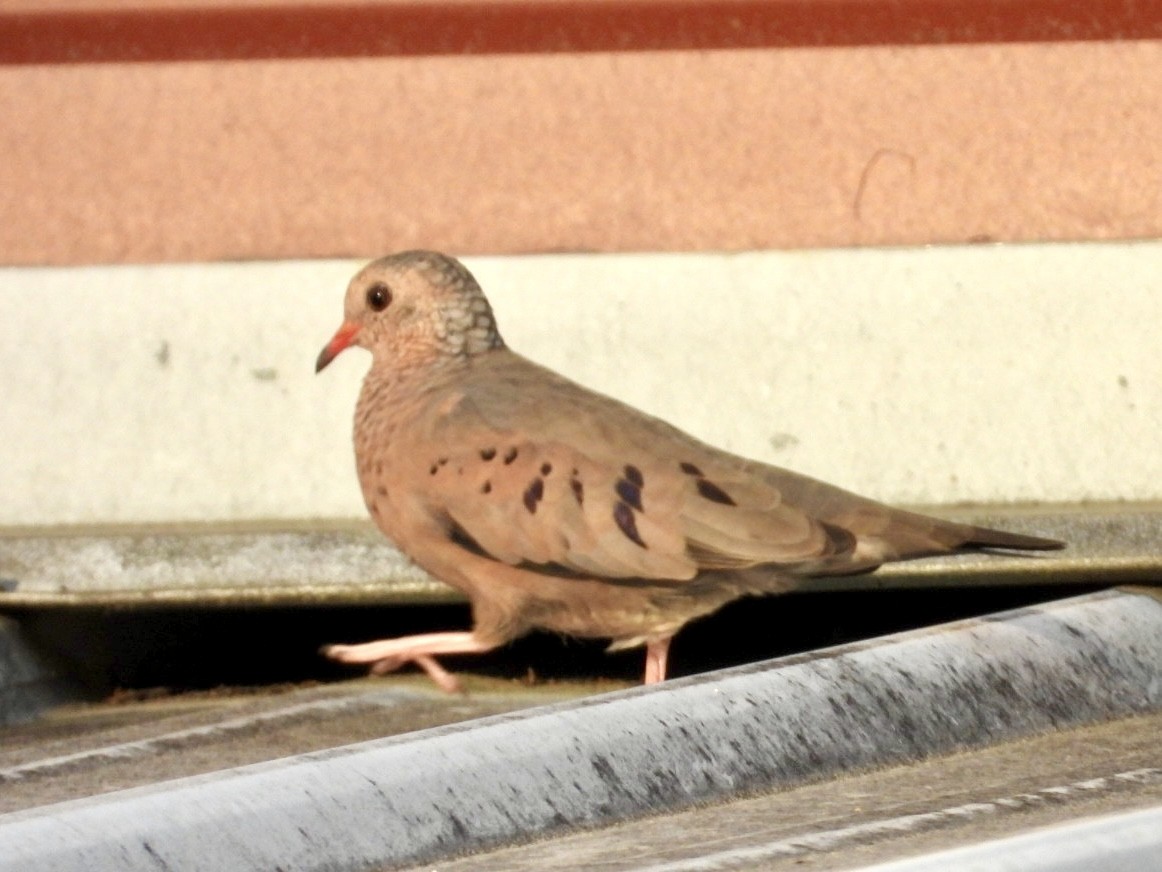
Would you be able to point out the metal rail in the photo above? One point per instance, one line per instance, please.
(619, 756)
(351, 563)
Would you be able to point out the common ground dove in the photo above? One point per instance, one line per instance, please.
(554, 507)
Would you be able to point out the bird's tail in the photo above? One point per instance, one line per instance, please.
(904, 535)
(984, 537)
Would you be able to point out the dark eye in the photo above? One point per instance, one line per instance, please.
(378, 296)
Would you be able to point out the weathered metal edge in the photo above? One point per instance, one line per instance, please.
(333, 563)
(1108, 843)
(417, 797)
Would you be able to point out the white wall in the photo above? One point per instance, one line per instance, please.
(935, 375)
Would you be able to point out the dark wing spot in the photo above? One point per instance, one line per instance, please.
(840, 539)
(556, 570)
(633, 474)
(714, 493)
(690, 469)
(461, 537)
(487, 453)
(546, 468)
(381, 490)
(442, 461)
(623, 515)
(486, 488)
(433, 469)
(510, 456)
(533, 494)
(629, 492)
(578, 490)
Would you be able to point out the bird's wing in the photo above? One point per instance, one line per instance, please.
(608, 492)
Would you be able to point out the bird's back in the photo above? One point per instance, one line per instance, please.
(707, 508)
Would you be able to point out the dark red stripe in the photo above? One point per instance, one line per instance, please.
(85, 32)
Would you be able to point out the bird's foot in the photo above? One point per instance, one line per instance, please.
(387, 655)
(657, 653)
(440, 676)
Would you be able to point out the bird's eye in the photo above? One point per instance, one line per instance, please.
(378, 297)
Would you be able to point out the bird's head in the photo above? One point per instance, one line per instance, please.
(414, 307)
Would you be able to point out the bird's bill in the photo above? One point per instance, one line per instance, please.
(343, 337)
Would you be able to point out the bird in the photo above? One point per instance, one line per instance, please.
(554, 507)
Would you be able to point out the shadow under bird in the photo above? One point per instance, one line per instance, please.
(555, 507)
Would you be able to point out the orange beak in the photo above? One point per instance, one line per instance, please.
(343, 337)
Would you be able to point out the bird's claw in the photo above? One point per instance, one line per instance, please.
(440, 676)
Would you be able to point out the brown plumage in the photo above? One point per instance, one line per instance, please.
(554, 507)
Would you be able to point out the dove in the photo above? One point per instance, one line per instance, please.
(554, 507)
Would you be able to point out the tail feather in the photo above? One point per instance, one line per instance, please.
(983, 537)
(903, 535)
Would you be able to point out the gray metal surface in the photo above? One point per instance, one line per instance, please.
(619, 756)
(346, 563)
(1126, 842)
(137, 738)
(851, 821)
(316, 563)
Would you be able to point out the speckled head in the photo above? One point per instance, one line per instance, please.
(415, 307)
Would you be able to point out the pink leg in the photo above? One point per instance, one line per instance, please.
(656, 654)
(384, 655)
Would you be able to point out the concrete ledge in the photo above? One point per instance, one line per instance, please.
(421, 796)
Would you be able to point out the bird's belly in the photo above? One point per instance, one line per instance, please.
(629, 614)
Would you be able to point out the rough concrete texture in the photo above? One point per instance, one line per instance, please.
(924, 376)
(619, 756)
